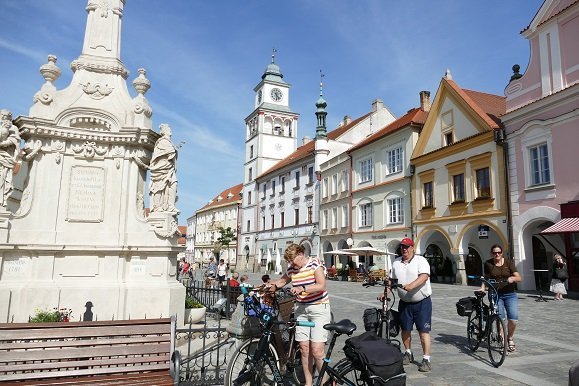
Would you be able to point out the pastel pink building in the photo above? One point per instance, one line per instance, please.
(542, 134)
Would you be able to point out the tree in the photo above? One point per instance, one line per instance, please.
(226, 237)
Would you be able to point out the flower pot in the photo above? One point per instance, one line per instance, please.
(194, 315)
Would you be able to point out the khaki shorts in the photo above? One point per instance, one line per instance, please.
(319, 314)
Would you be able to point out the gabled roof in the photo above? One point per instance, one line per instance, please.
(549, 9)
(484, 109)
(415, 116)
(488, 106)
(227, 197)
(305, 150)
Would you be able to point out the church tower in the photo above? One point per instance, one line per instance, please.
(270, 136)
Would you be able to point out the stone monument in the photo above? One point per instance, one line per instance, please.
(73, 226)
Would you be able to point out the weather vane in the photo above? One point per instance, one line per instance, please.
(321, 81)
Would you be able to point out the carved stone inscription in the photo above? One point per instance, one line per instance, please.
(86, 195)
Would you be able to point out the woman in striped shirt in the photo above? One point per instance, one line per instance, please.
(308, 278)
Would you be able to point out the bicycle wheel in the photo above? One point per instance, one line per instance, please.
(346, 369)
(240, 370)
(473, 332)
(497, 342)
(295, 366)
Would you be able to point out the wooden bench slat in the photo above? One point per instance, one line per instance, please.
(66, 353)
(81, 372)
(44, 366)
(83, 332)
(108, 323)
(81, 342)
(151, 378)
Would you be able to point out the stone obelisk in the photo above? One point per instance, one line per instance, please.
(74, 227)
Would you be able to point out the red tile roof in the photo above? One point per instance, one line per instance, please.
(183, 231)
(488, 106)
(226, 198)
(415, 116)
(307, 149)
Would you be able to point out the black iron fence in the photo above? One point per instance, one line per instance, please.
(205, 346)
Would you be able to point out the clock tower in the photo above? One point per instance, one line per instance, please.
(270, 136)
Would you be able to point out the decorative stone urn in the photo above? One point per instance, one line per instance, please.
(194, 315)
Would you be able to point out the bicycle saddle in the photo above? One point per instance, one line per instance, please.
(342, 327)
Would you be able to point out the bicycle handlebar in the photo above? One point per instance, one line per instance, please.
(383, 283)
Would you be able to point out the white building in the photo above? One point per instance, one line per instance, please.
(381, 185)
(221, 212)
(270, 136)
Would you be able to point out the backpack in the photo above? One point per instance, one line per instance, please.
(375, 357)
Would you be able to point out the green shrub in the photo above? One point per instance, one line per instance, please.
(192, 303)
(56, 315)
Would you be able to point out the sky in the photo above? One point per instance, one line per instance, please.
(204, 57)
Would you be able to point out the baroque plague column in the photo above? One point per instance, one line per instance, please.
(73, 226)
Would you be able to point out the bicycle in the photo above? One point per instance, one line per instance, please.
(257, 361)
(386, 325)
(484, 322)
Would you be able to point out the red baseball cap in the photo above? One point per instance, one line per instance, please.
(407, 241)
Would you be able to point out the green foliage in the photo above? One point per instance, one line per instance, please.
(56, 315)
(192, 303)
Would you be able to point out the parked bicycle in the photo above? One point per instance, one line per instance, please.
(384, 321)
(484, 321)
(261, 360)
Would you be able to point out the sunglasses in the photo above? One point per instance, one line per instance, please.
(496, 252)
(405, 246)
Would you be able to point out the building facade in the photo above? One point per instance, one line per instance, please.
(542, 131)
(221, 212)
(459, 199)
(381, 185)
(270, 136)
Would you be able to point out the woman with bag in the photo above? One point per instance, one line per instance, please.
(560, 276)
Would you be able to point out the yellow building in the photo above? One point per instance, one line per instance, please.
(458, 192)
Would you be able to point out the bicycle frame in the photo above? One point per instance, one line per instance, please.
(387, 303)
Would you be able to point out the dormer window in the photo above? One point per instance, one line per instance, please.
(448, 138)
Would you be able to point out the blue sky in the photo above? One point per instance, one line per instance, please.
(203, 59)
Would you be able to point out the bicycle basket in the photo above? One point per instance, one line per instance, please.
(465, 306)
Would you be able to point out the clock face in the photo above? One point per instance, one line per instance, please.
(276, 94)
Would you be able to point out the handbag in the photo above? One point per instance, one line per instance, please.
(562, 274)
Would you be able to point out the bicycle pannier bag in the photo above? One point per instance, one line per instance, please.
(394, 317)
(375, 357)
(371, 319)
(465, 306)
(242, 325)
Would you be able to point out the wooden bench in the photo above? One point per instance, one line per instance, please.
(378, 274)
(122, 352)
(355, 275)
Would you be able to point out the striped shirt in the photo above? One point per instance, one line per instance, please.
(306, 276)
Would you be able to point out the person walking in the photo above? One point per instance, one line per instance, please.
(560, 276)
(221, 272)
(308, 278)
(502, 269)
(415, 306)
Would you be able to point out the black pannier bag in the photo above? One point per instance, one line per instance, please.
(465, 306)
(374, 356)
(371, 320)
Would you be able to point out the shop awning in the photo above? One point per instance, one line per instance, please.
(566, 225)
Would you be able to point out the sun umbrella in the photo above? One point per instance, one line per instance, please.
(340, 252)
(371, 251)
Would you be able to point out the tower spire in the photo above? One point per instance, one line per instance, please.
(321, 131)
(273, 52)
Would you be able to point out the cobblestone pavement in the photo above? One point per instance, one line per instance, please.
(547, 338)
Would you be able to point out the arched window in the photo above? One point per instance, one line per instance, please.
(434, 256)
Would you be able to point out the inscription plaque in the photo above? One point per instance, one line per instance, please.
(86, 194)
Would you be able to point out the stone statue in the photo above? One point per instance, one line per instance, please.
(163, 167)
(9, 148)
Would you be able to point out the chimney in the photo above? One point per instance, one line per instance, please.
(305, 140)
(377, 104)
(425, 100)
(347, 119)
